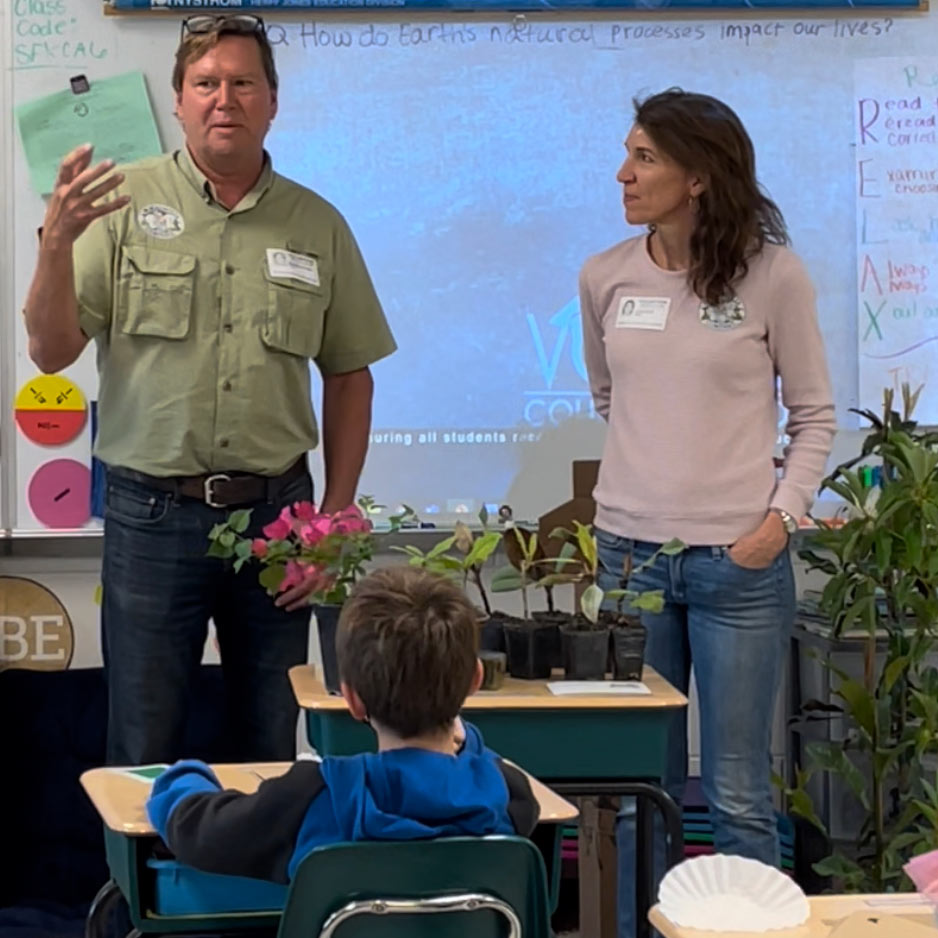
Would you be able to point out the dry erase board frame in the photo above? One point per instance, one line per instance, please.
(645, 6)
(10, 321)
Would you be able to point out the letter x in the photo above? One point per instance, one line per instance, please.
(874, 320)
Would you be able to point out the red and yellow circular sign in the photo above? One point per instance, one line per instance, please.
(50, 410)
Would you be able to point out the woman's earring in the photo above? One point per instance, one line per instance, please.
(692, 203)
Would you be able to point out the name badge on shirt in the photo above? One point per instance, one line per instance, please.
(643, 312)
(283, 263)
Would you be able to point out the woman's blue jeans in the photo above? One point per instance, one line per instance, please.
(732, 624)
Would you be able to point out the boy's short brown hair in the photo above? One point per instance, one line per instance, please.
(193, 46)
(407, 645)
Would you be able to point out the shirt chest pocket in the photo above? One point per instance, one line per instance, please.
(295, 317)
(156, 292)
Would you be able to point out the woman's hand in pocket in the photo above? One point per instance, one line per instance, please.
(757, 550)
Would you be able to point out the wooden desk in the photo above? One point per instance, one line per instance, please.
(129, 838)
(827, 912)
(121, 801)
(595, 736)
(596, 744)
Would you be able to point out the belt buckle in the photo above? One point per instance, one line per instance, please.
(208, 486)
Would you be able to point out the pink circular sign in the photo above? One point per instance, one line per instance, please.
(59, 494)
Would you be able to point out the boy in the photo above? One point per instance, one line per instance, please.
(407, 655)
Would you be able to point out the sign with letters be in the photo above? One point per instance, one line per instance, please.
(35, 629)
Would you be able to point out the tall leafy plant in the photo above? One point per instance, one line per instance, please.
(529, 566)
(471, 553)
(882, 569)
(582, 540)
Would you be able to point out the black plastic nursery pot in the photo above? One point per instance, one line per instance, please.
(492, 633)
(628, 651)
(327, 624)
(585, 653)
(558, 620)
(530, 647)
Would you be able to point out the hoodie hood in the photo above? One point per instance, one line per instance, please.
(411, 794)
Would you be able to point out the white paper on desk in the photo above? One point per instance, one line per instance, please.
(615, 688)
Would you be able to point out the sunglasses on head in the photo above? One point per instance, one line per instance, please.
(245, 24)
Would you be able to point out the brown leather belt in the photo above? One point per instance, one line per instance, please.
(219, 489)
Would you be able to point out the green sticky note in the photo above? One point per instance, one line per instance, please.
(115, 115)
(145, 773)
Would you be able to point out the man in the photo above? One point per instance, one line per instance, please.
(208, 282)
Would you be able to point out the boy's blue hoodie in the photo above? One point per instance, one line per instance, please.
(401, 794)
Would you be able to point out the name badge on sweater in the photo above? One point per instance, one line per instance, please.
(643, 312)
(283, 263)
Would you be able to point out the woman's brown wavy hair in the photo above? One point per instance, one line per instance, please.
(734, 218)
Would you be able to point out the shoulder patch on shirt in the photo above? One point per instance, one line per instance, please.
(161, 221)
(727, 315)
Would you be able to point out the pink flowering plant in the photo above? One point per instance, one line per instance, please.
(303, 543)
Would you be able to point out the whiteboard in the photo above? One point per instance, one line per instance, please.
(475, 160)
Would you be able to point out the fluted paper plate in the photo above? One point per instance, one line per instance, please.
(727, 894)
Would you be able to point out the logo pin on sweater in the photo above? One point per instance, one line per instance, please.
(727, 315)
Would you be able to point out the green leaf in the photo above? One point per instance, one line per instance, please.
(441, 547)
(586, 542)
(860, 704)
(239, 520)
(893, 671)
(590, 602)
(800, 804)
(843, 490)
(447, 564)
(649, 601)
(414, 552)
(672, 547)
(837, 865)
(272, 576)
(217, 549)
(482, 548)
(506, 580)
(832, 758)
(483, 516)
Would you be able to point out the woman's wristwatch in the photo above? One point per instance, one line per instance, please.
(790, 523)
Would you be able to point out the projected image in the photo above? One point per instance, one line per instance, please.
(477, 181)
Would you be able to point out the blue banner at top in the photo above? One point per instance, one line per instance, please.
(649, 6)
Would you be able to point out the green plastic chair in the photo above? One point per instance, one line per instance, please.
(486, 887)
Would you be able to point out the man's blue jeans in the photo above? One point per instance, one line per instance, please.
(159, 591)
(733, 625)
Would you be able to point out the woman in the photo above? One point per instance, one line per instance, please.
(687, 330)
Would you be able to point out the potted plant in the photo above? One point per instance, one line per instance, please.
(533, 645)
(882, 565)
(302, 542)
(628, 635)
(471, 554)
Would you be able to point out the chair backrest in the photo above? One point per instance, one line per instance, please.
(464, 883)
